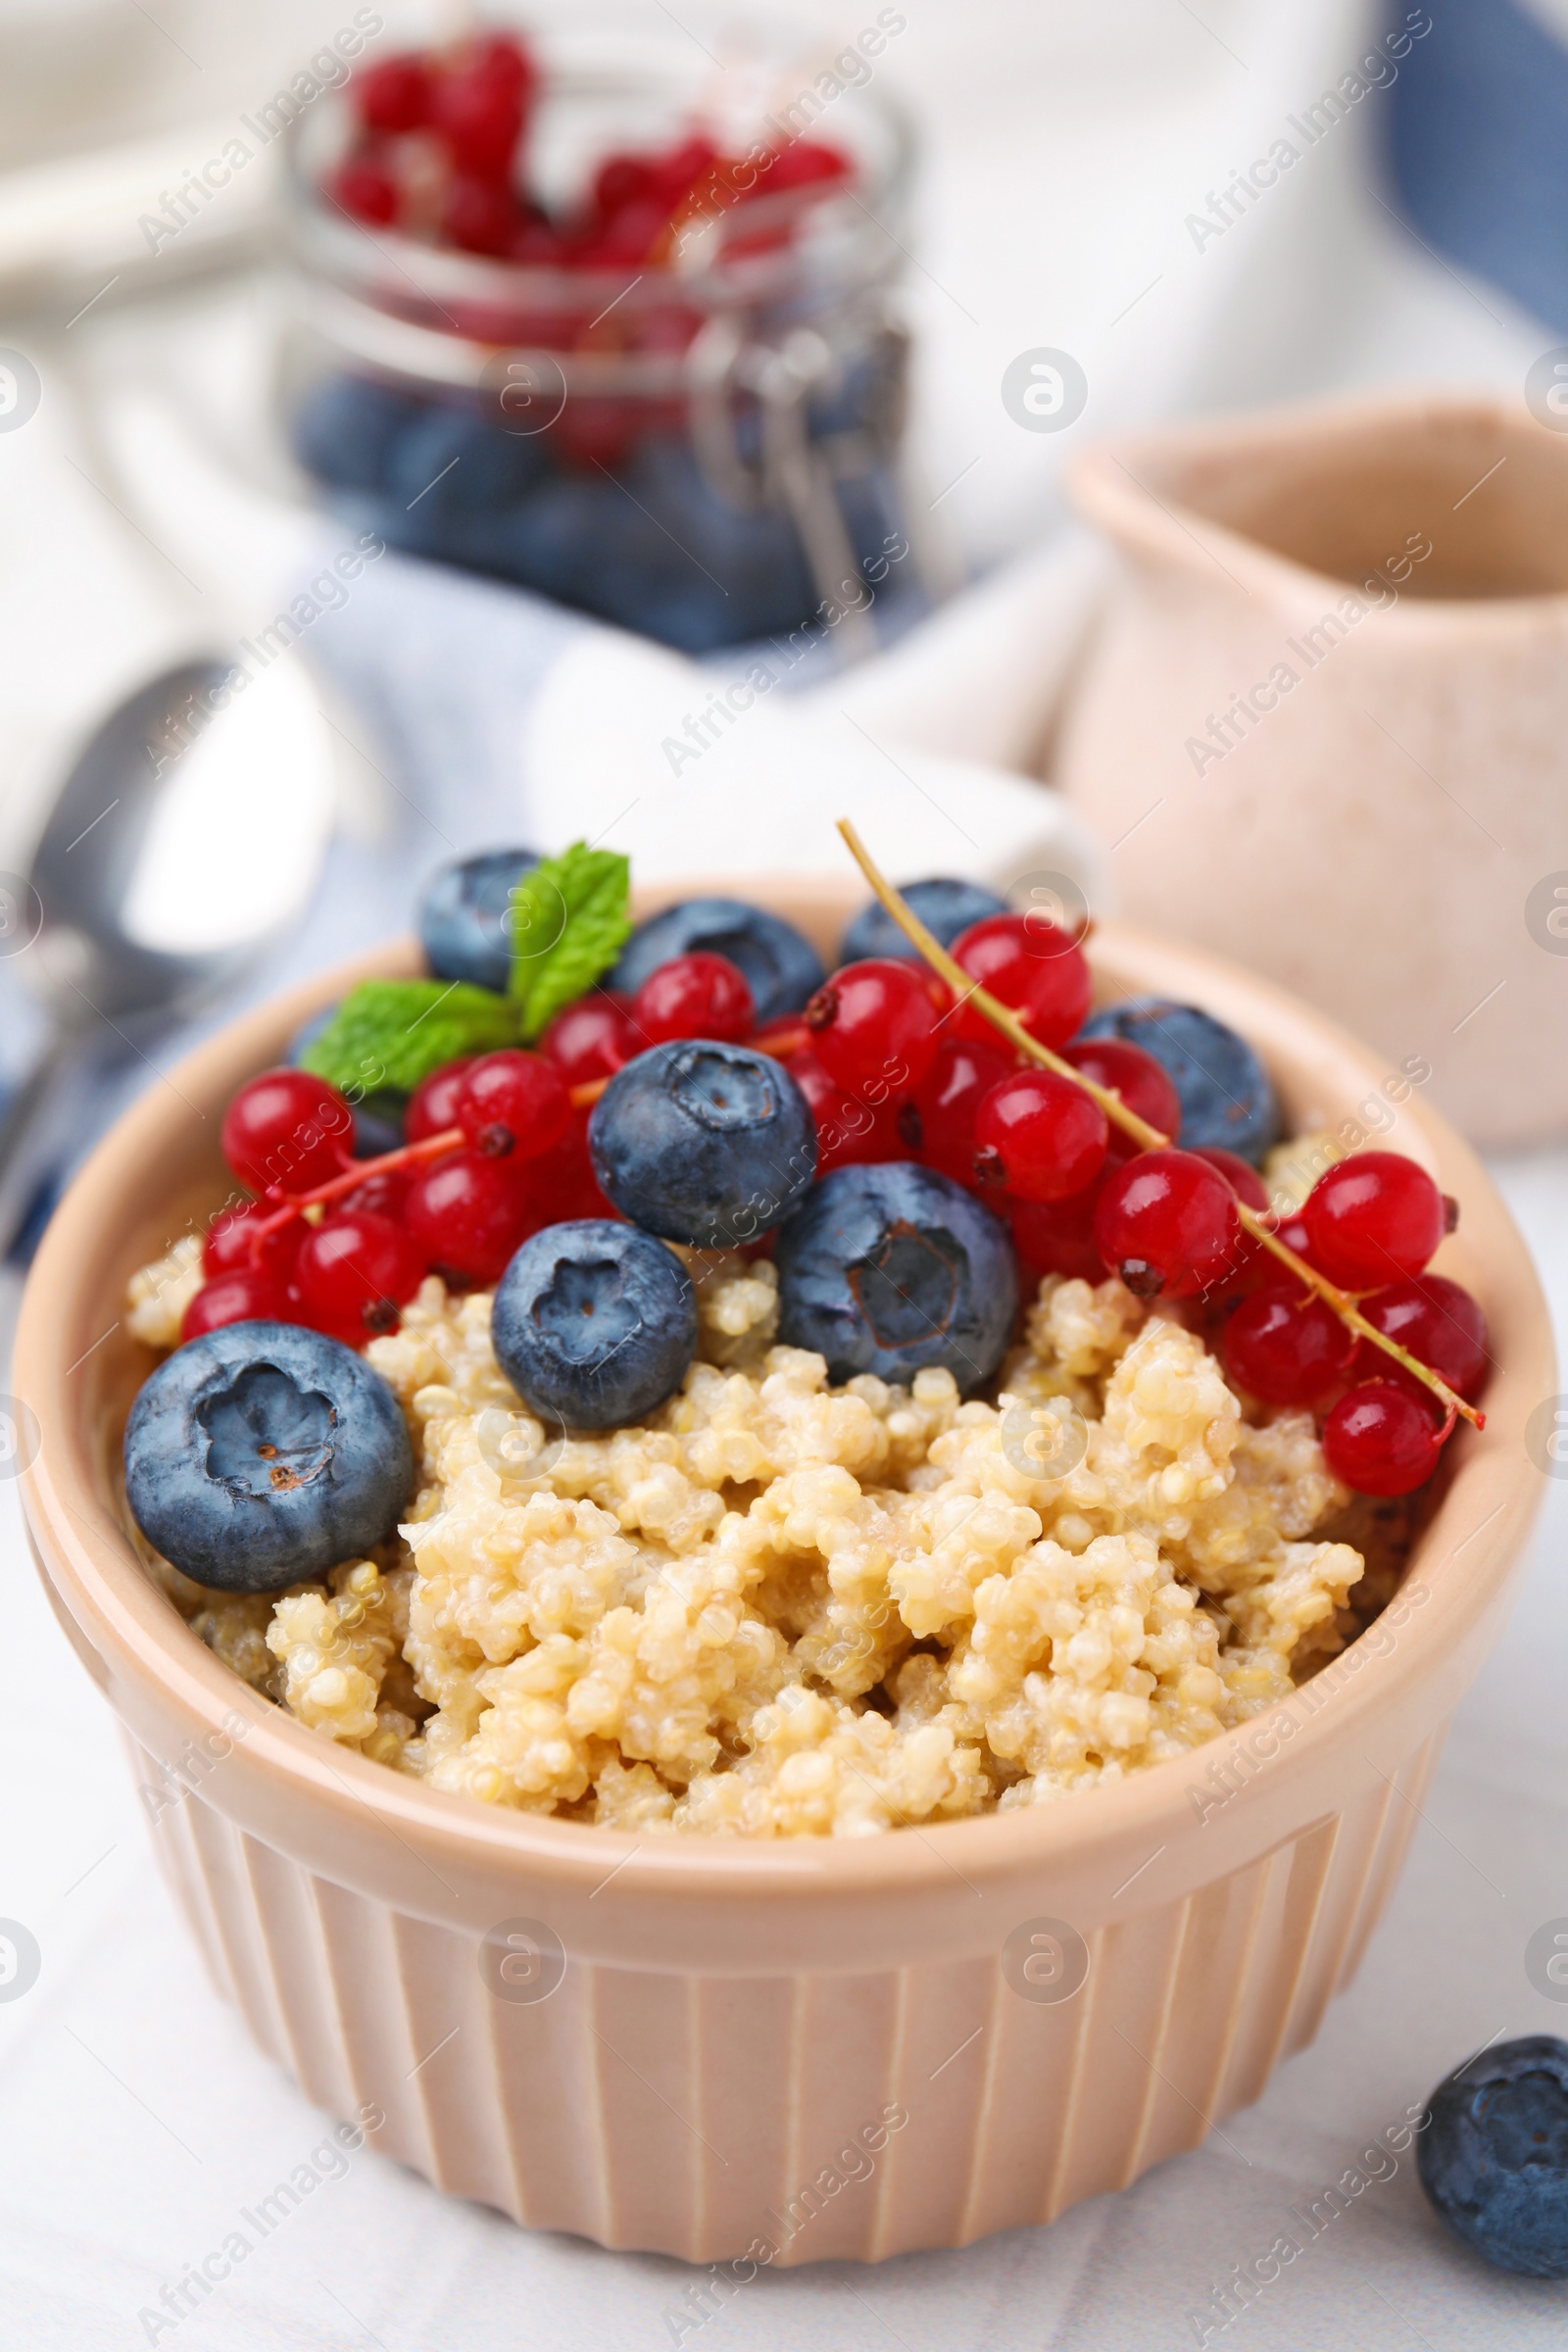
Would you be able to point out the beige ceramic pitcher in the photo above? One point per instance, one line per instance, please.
(1323, 727)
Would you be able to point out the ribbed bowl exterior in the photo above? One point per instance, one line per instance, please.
(795, 2049)
(696, 2115)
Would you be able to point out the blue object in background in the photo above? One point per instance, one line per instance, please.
(649, 545)
(1479, 147)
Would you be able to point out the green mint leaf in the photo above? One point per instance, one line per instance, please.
(569, 919)
(389, 1034)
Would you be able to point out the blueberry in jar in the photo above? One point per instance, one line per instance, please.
(348, 429)
(569, 538)
(1493, 2158)
(263, 1453)
(453, 475)
(1227, 1098)
(892, 1267)
(593, 1323)
(782, 968)
(466, 917)
(945, 904)
(720, 573)
(703, 1142)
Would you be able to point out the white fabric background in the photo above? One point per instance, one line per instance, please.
(135, 2119)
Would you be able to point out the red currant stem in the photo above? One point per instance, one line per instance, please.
(1001, 1015)
(1350, 1313)
(1148, 1139)
(406, 1156)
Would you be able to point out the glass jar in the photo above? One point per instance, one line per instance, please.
(703, 447)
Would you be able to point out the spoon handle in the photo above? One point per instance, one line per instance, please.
(31, 1134)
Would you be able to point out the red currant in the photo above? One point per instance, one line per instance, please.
(1380, 1439)
(365, 190)
(1439, 1323)
(1253, 1266)
(354, 1273)
(1374, 1218)
(948, 1098)
(1292, 1231)
(850, 1132)
(1286, 1350)
(433, 1104)
(801, 163)
(675, 173)
(382, 1191)
(230, 1243)
(1240, 1174)
(875, 1025)
(537, 245)
(694, 996)
(479, 214)
(394, 95)
(1057, 1237)
(479, 117)
(1038, 1134)
(505, 60)
(1143, 1083)
(623, 179)
(290, 1130)
(1166, 1223)
(469, 1215)
(591, 1039)
(562, 1186)
(513, 1104)
(249, 1294)
(626, 236)
(1030, 966)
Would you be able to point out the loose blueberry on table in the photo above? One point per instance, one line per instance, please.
(1494, 2155)
(622, 1161)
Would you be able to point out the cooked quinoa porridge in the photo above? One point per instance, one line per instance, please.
(657, 1381)
(777, 1607)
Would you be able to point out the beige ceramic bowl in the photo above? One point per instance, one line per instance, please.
(839, 2048)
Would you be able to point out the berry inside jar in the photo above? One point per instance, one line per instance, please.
(742, 1402)
(637, 352)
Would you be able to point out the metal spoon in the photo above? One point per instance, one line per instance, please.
(185, 838)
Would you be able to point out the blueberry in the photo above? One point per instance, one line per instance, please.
(703, 1142)
(456, 471)
(377, 1117)
(889, 1268)
(1226, 1096)
(593, 1323)
(1494, 2158)
(872, 515)
(568, 540)
(945, 904)
(347, 428)
(263, 1453)
(464, 926)
(717, 574)
(783, 969)
(852, 403)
